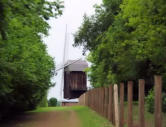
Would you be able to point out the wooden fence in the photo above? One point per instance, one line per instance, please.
(105, 102)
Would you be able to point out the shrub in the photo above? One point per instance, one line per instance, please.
(52, 102)
(150, 102)
(164, 102)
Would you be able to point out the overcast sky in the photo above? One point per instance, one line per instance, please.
(72, 17)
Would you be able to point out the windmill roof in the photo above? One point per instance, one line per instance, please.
(77, 66)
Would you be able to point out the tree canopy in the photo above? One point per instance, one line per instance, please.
(131, 45)
(25, 66)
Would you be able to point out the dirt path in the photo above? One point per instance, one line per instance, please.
(47, 119)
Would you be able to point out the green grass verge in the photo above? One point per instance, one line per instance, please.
(49, 109)
(89, 118)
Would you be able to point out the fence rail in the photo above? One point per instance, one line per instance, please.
(105, 102)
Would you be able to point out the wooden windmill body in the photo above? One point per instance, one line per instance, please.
(75, 79)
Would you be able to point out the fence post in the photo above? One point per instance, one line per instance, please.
(141, 102)
(103, 97)
(95, 107)
(116, 105)
(84, 99)
(130, 101)
(100, 104)
(91, 98)
(94, 97)
(111, 103)
(158, 101)
(106, 102)
(98, 99)
(92, 94)
(87, 99)
(121, 104)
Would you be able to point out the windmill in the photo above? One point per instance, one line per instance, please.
(74, 79)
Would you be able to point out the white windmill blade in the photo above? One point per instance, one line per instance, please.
(65, 65)
(65, 52)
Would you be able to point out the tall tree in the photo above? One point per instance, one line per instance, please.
(26, 68)
(132, 44)
(92, 29)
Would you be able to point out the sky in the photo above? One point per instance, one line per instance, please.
(72, 18)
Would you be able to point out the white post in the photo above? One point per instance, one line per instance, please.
(116, 105)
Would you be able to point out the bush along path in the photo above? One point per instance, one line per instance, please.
(77, 116)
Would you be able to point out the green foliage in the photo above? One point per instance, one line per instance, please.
(44, 102)
(131, 44)
(52, 102)
(28, 13)
(25, 66)
(150, 101)
(164, 102)
(93, 28)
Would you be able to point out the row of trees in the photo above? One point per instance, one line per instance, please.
(25, 66)
(126, 40)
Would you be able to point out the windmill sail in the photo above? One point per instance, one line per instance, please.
(63, 62)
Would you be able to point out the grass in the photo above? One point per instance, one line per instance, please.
(149, 117)
(88, 118)
(49, 109)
